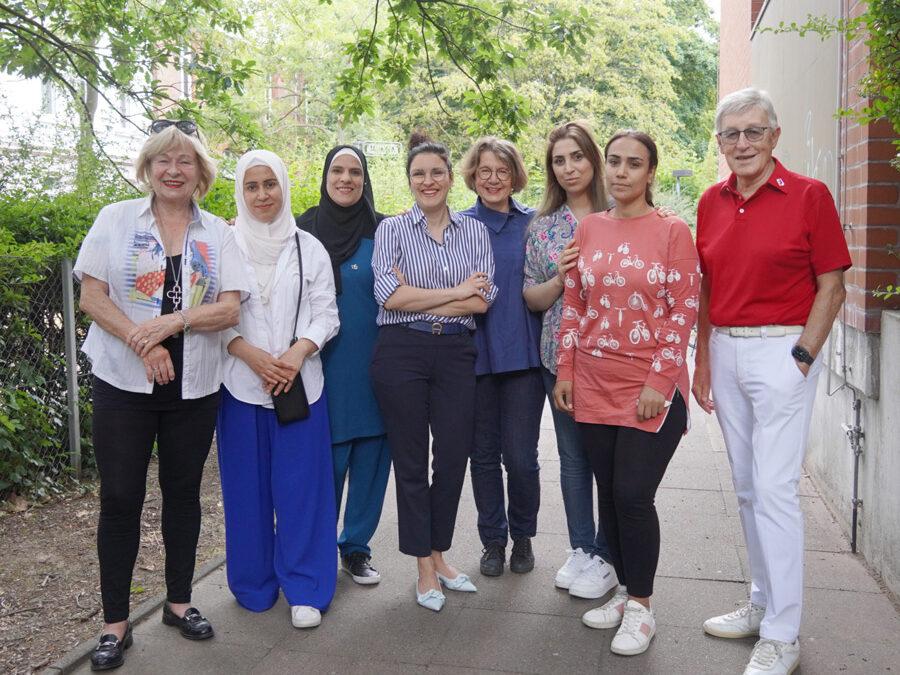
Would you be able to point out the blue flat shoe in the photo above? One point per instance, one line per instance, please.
(430, 599)
(460, 583)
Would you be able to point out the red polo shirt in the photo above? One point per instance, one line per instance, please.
(762, 255)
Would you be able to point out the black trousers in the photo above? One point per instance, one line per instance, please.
(123, 440)
(628, 466)
(425, 383)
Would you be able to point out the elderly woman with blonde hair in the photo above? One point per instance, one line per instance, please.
(159, 278)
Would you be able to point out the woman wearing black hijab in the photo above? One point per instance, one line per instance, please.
(345, 222)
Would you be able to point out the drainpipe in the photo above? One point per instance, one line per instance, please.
(855, 435)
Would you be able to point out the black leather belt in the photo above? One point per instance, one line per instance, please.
(438, 328)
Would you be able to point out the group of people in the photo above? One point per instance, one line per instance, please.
(432, 338)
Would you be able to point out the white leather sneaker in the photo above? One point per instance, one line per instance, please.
(773, 657)
(304, 616)
(610, 614)
(596, 580)
(637, 629)
(741, 623)
(570, 570)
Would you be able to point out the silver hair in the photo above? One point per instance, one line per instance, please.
(741, 101)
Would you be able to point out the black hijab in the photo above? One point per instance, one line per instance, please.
(340, 228)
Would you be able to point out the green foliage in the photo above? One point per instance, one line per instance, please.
(112, 48)
(35, 235)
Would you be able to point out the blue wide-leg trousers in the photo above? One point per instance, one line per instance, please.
(278, 494)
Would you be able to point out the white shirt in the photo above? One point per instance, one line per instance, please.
(124, 249)
(270, 326)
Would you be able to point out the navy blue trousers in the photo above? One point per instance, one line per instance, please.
(426, 383)
(364, 464)
(278, 494)
(507, 426)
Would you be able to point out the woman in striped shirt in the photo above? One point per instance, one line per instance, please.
(433, 272)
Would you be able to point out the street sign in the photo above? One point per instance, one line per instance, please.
(379, 148)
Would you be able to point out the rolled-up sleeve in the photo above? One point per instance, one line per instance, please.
(484, 260)
(325, 322)
(93, 256)
(385, 257)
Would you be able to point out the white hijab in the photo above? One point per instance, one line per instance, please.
(264, 241)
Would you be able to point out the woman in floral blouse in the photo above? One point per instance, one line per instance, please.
(628, 310)
(574, 188)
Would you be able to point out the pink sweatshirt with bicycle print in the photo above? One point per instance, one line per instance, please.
(628, 310)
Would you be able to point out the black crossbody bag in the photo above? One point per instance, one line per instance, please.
(292, 406)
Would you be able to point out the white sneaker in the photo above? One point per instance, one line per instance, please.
(741, 623)
(576, 562)
(637, 629)
(773, 657)
(610, 614)
(596, 580)
(304, 616)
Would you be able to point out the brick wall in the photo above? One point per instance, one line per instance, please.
(870, 197)
(734, 52)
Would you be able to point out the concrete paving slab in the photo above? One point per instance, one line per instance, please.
(838, 571)
(280, 661)
(153, 655)
(521, 623)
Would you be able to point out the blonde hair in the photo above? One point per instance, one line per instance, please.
(167, 139)
(505, 151)
(554, 193)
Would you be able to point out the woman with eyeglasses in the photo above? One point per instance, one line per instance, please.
(629, 305)
(509, 389)
(159, 278)
(276, 471)
(345, 221)
(433, 273)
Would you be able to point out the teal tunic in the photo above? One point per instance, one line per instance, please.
(351, 401)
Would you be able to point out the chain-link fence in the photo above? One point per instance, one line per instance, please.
(45, 412)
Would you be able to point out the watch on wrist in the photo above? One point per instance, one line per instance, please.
(800, 354)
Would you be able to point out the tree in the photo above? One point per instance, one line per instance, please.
(405, 34)
(103, 49)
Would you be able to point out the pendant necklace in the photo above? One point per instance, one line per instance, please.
(174, 293)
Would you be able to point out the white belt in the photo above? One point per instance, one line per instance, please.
(759, 331)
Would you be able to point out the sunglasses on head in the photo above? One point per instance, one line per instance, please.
(186, 127)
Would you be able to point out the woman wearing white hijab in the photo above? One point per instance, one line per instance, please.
(272, 470)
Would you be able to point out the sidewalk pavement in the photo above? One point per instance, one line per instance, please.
(521, 623)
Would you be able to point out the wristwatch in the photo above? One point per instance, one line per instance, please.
(800, 354)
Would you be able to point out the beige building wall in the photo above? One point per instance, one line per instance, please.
(802, 74)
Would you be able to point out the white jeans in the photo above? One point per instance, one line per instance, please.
(764, 404)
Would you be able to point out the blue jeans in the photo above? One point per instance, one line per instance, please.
(507, 427)
(576, 478)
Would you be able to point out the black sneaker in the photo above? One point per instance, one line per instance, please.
(493, 559)
(521, 560)
(357, 565)
(110, 651)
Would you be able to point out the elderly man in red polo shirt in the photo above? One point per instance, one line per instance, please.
(773, 256)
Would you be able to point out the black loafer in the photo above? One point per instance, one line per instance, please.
(110, 651)
(521, 560)
(493, 559)
(193, 625)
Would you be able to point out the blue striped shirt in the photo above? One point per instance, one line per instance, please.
(403, 242)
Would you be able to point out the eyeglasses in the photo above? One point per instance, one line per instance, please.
(503, 174)
(186, 127)
(419, 175)
(752, 134)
